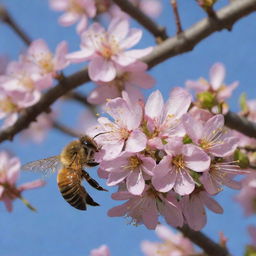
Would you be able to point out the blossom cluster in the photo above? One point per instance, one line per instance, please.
(9, 174)
(22, 82)
(167, 159)
(82, 11)
(113, 67)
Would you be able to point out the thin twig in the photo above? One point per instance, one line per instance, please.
(64, 129)
(143, 19)
(210, 247)
(177, 16)
(7, 18)
(174, 46)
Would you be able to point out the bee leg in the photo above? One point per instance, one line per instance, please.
(92, 182)
(90, 201)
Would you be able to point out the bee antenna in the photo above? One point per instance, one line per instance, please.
(100, 134)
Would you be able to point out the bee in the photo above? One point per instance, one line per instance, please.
(70, 164)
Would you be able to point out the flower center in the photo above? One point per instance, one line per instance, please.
(124, 133)
(133, 162)
(178, 161)
(27, 82)
(108, 47)
(75, 7)
(7, 106)
(45, 63)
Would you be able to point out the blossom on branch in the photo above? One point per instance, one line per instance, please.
(9, 174)
(75, 11)
(108, 49)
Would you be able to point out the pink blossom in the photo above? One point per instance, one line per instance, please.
(193, 208)
(211, 136)
(107, 49)
(75, 11)
(164, 120)
(215, 85)
(151, 8)
(247, 194)
(134, 168)
(172, 244)
(103, 250)
(219, 174)
(124, 132)
(128, 78)
(145, 208)
(9, 174)
(39, 54)
(173, 171)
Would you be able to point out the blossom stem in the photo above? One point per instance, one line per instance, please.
(171, 47)
(210, 247)
(26, 202)
(8, 19)
(177, 16)
(144, 20)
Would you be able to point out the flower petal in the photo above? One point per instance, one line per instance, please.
(217, 75)
(135, 182)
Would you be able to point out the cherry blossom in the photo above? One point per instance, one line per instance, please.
(172, 244)
(145, 208)
(39, 54)
(211, 136)
(107, 49)
(173, 171)
(135, 168)
(75, 11)
(123, 133)
(129, 78)
(103, 250)
(9, 174)
(164, 120)
(217, 75)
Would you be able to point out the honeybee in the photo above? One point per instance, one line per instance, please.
(77, 155)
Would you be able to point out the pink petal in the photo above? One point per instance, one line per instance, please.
(119, 210)
(154, 106)
(37, 48)
(82, 24)
(68, 18)
(116, 177)
(100, 69)
(101, 93)
(58, 5)
(226, 148)
(217, 75)
(150, 214)
(210, 203)
(210, 184)
(60, 55)
(135, 182)
(31, 185)
(136, 142)
(164, 183)
(142, 79)
(132, 39)
(113, 150)
(213, 125)
(13, 171)
(1, 191)
(8, 204)
(227, 91)
(121, 195)
(184, 184)
(196, 159)
(194, 212)
(80, 56)
(178, 102)
(196, 86)
(119, 28)
(193, 128)
(172, 215)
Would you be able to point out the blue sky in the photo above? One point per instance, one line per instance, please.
(57, 228)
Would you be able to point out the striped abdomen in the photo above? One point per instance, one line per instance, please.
(69, 182)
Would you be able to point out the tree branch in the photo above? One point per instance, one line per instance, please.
(7, 18)
(210, 247)
(64, 129)
(182, 43)
(142, 18)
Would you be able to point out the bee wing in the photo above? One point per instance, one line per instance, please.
(46, 166)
